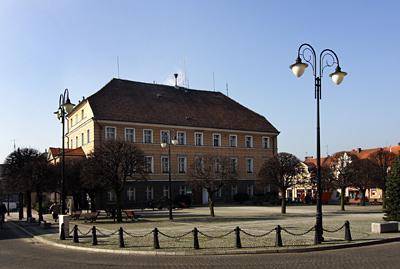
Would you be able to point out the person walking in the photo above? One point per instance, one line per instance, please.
(3, 211)
(55, 210)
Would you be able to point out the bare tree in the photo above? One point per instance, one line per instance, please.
(367, 175)
(284, 171)
(384, 160)
(212, 173)
(343, 172)
(117, 162)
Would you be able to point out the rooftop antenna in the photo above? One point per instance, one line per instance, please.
(227, 89)
(186, 81)
(14, 144)
(176, 80)
(213, 81)
(118, 65)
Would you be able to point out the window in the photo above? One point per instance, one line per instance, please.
(111, 196)
(217, 165)
(76, 118)
(198, 138)
(83, 139)
(181, 136)
(76, 142)
(82, 114)
(110, 133)
(216, 140)
(219, 193)
(234, 162)
(267, 188)
(164, 136)
(68, 144)
(131, 194)
(233, 140)
(72, 122)
(88, 136)
(182, 190)
(166, 191)
(147, 136)
(148, 164)
(234, 190)
(72, 143)
(249, 165)
(248, 141)
(182, 165)
(130, 135)
(149, 193)
(266, 142)
(199, 163)
(164, 164)
(250, 190)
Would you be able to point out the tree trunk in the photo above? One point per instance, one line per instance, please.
(21, 205)
(342, 201)
(211, 203)
(28, 205)
(362, 192)
(92, 196)
(283, 207)
(119, 205)
(40, 204)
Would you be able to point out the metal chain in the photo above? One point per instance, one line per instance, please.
(334, 231)
(174, 237)
(136, 235)
(257, 235)
(298, 234)
(216, 237)
(104, 234)
(84, 234)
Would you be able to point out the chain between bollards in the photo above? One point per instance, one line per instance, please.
(75, 236)
(156, 242)
(196, 238)
(278, 237)
(347, 233)
(94, 236)
(62, 232)
(121, 238)
(238, 241)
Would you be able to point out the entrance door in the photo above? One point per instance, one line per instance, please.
(205, 196)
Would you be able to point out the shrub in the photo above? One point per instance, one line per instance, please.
(241, 197)
(183, 200)
(392, 195)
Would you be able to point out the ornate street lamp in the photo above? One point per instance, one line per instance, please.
(64, 107)
(164, 145)
(327, 58)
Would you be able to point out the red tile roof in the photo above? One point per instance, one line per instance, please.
(78, 152)
(131, 101)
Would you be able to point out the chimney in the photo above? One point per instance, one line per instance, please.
(359, 150)
(176, 80)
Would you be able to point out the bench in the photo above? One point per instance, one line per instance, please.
(76, 215)
(129, 214)
(92, 217)
(386, 227)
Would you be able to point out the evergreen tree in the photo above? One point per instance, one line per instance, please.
(392, 198)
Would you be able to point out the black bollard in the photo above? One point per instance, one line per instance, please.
(278, 237)
(76, 238)
(121, 238)
(347, 233)
(238, 241)
(156, 243)
(94, 236)
(62, 232)
(196, 238)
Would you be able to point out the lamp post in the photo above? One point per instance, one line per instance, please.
(164, 145)
(64, 107)
(327, 58)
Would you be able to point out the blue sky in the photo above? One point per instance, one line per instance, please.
(46, 46)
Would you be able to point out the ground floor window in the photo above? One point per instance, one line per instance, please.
(149, 193)
(131, 194)
(250, 190)
(111, 197)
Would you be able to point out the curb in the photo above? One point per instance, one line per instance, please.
(221, 252)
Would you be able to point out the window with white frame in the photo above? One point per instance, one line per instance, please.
(83, 139)
(216, 140)
(130, 134)
(164, 136)
(72, 143)
(149, 193)
(266, 142)
(182, 190)
(166, 191)
(111, 133)
(219, 193)
(181, 165)
(147, 136)
(76, 142)
(164, 164)
(249, 165)
(267, 188)
(234, 164)
(111, 196)
(82, 114)
(148, 164)
(234, 190)
(248, 141)
(181, 137)
(250, 190)
(76, 118)
(88, 136)
(233, 140)
(198, 138)
(131, 194)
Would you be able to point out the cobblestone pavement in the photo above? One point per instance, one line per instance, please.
(18, 251)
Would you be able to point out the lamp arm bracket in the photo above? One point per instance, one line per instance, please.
(327, 58)
(307, 52)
